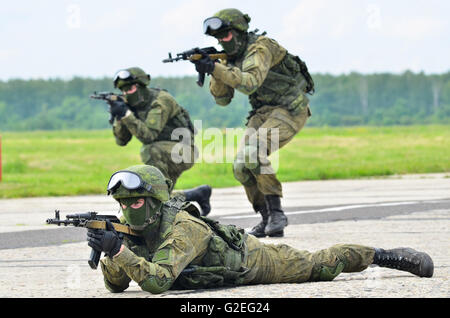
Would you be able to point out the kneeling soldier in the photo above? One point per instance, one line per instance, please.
(152, 115)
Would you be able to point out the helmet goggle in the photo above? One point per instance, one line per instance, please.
(123, 75)
(214, 24)
(128, 179)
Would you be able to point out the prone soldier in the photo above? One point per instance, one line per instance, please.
(179, 249)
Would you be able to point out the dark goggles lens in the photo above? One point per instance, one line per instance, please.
(213, 24)
(128, 179)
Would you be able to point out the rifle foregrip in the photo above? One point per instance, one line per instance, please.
(94, 258)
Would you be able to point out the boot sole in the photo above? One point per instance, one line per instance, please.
(426, 267)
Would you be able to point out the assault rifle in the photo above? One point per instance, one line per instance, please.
(109, 98)
(196, 54)
(92, 220)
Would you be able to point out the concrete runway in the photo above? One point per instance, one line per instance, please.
(38, 260)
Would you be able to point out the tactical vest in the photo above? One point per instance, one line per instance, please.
(180, 120)
(284, 83)
(222, 263)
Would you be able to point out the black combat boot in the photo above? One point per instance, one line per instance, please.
(405, 259)
(277, 220)
(258, 230)
(200, 195)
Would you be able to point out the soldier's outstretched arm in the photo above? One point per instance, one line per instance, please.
(187, 241)
(255, 67)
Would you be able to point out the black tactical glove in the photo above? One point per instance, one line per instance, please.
(204, 65)
(118, 108)
(107, 241)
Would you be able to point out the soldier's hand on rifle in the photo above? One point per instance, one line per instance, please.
(107, 241)
(118, 108)
(204, 65)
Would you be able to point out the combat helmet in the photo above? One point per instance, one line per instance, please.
(226, 19)
(130, 76)
(135, 183)
(139, 181)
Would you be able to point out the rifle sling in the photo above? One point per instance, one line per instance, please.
(101, 225)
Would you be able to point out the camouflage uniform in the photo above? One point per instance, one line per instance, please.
(152, 122)
(190, 255)
(276, 83)
(179, 249)
(158, 265)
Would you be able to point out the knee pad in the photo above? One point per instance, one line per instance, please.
(328, 273)
(328, 264)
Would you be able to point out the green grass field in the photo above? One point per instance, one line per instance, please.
(81, 162)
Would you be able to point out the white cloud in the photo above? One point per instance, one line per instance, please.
(7, 54)
(310, 18)
(113, 19)
(416, 28)
(187, 17)
(331, 36)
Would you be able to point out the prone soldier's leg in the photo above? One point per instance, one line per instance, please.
(346, 258)
(282, 263)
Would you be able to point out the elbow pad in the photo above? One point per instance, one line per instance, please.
(222, 101)
(114, 288)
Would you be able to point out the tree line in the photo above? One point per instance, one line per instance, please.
(340, 100)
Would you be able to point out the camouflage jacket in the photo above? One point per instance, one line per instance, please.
(266, 72)
(188, 252)
(154, 122)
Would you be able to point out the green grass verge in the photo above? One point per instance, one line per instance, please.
(59, 163)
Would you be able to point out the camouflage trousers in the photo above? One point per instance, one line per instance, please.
(270, 263)
(159, 154)
(259, 178)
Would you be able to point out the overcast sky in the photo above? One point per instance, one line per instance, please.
(62, 39)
